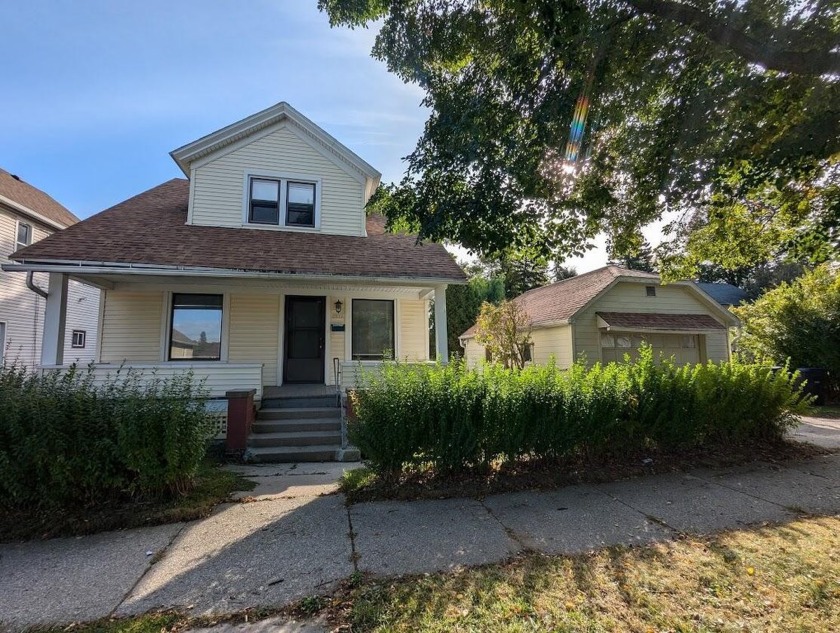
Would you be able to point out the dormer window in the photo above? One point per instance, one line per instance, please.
(300, 204)
(282, 202)
(265, 202)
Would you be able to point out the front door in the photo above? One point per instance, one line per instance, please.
(305, 326)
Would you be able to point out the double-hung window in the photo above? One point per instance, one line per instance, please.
(24, 235)
(281, 202)
(373, 329)
(265, 202)
(195, 331)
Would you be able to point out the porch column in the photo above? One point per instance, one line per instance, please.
(441, 346)
(55, 321)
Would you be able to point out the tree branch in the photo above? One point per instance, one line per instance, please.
(810, 63)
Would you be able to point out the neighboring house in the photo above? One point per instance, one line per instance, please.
(260, 269)
(607, 313)
(28, 215)
(725, 294)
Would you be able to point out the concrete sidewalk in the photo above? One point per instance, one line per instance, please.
(293, 537)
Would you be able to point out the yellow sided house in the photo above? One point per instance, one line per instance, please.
(610, 312)
(259, 271)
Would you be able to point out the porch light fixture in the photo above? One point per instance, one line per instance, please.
(338, 305)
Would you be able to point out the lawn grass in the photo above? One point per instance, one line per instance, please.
(213, 486)
(774, 579)
(831, 411)
(363, 484)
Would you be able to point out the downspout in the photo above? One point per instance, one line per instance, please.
(30, 283)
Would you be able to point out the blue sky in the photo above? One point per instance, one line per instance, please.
(97, 93)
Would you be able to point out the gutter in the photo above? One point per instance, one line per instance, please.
(107, 268)
(30, 283)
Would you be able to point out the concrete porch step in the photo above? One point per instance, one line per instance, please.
(298, 413)
(296, 438)
(316, 453)
(292, 426)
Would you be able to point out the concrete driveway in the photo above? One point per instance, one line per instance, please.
(294, 537)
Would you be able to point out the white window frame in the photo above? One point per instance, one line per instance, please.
(73, 334)
(3, 327)
(20, 245)
(283, 178)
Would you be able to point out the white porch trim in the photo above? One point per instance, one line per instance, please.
(441, 344)
(55, 321)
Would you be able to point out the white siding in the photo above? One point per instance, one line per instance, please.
(23, 310)
(631, 297)
(219, 186)
(413, 341)
(20, 309)
(131, 328)
(473, 352)
(556, 343)
(82, 314)
(255, 332)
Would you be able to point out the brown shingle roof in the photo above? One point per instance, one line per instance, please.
(562, 300)
(640, 321)
(24, 194)
(151, 228)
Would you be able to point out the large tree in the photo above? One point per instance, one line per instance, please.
(554, 120)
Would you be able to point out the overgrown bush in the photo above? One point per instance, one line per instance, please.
(65, 440)
(452, 417)
(797, 322)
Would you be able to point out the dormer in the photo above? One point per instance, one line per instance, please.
(276, 170)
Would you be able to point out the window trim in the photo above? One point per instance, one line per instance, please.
(289, 183)
(283, 178)
(650, 291)
(170, 322)
(251, 201)
(20, 245)
(369, 357)
(73, 343)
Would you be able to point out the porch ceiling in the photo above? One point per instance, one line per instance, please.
(280, 286)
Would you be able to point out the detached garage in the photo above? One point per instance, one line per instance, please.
(611, 312)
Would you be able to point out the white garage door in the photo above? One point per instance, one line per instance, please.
(684, 348)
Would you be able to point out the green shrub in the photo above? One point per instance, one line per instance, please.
(797, 322)
(65, 440)
(454, 418)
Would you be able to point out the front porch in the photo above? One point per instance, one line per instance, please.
(253, 333)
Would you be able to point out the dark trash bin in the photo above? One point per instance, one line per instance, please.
(815, 379)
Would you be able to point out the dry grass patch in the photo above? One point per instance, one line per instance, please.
(775, 579)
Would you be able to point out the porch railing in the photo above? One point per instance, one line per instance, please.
(218, 377)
